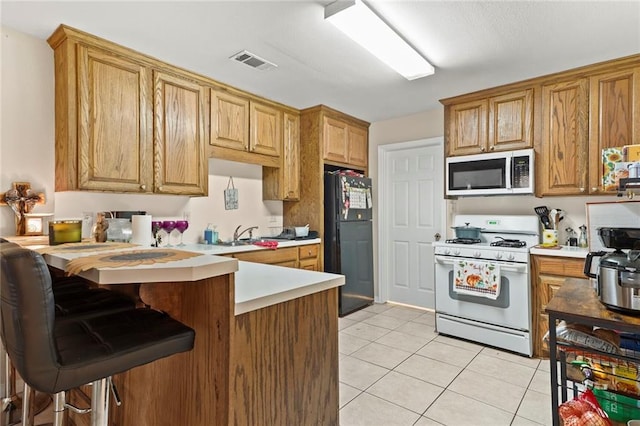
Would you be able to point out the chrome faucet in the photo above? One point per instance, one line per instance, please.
(237, 235)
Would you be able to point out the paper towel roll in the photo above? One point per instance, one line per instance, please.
(141, 226)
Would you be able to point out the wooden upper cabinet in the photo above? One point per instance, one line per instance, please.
(291, 160)
(345, 143)
(179, 136)
(468, 128)
(283, 183)
(266, 129)
(229, 120)
(511, 121)
(334, 141)
(125, 122)
(614, 112)
(497, 123)
(113, 122)
(563, 169)
(358, 153)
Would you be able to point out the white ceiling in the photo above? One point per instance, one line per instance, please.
(472, 44)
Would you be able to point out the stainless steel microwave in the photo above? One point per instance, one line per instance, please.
(497, 173)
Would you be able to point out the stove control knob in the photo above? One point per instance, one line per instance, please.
(447, 251)
(498, 255)
(510, 256)
(476, 254)
(456, 252)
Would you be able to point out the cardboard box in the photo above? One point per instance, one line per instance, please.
(621, 171)
(610, 157)
(618, 407)
(631, 153)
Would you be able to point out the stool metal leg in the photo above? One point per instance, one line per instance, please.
(58, 408)
(100, 402)
(27, 406)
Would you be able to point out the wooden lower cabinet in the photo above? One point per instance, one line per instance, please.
(549, 274)
(303, 257)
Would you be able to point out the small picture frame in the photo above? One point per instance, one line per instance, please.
(35, 223)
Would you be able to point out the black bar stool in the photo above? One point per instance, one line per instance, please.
(53, 356)
(74, 298)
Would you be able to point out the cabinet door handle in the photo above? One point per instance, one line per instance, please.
(595, 189)
(143, 187)
(582, 189)
(159, 188)
(492, 147)
(482, 149)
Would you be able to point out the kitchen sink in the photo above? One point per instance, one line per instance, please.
(235, 243)
(246, 242)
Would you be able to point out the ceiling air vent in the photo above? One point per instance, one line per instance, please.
(254, 61)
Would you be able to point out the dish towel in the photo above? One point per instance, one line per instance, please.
(477, 278)
(268, 244)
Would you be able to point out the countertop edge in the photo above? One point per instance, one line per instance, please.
(253, 279)
(564, 251)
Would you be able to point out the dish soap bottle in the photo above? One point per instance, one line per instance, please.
(208, 234)
(582, 239)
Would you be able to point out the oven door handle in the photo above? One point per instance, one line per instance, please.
(504, 266)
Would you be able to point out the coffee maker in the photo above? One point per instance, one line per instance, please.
(618, 273)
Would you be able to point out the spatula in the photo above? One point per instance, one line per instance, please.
(543, 213)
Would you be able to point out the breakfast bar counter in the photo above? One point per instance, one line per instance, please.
(266, 347)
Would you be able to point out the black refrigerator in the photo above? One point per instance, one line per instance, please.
(348, 240)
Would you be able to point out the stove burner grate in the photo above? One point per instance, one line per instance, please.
(508, 243)
(464, 241)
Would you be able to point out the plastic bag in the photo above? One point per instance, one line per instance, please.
(583, 410)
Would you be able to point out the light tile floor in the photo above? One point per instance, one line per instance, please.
(396, 370)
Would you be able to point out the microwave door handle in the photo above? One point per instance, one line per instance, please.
(508, 172)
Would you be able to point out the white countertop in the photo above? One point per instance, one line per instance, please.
(256, 285)
(221, 249)
(191, 269)
(562, 251)
(259, 285)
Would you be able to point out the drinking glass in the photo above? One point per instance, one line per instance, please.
(168, 226)
(181, 226)
(156, 226)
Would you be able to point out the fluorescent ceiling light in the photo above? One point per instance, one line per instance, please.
(358, 21)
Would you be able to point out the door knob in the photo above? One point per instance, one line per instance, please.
(437, 236)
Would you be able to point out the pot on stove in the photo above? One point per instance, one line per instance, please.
(618, 274)
(470, 232)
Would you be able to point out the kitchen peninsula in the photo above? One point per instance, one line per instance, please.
(266, 349)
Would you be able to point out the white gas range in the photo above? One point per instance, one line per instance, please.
(483, 290)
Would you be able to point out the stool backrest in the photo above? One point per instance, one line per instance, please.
(28, 313)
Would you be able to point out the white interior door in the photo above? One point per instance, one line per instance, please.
(412, 212)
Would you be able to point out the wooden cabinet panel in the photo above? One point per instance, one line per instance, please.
(291, 157)
(180, 160)
(334, 140)
(511, 121)
(281, 255)
(308, 251)
(229, 120)
(303, 257)
(497, 123)
(468, 128)
(114, 126)
(283, 183)
(358, 147)
(614, 117)
(266, 129)
(564, 138)
(345, 143)
(548, 273)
